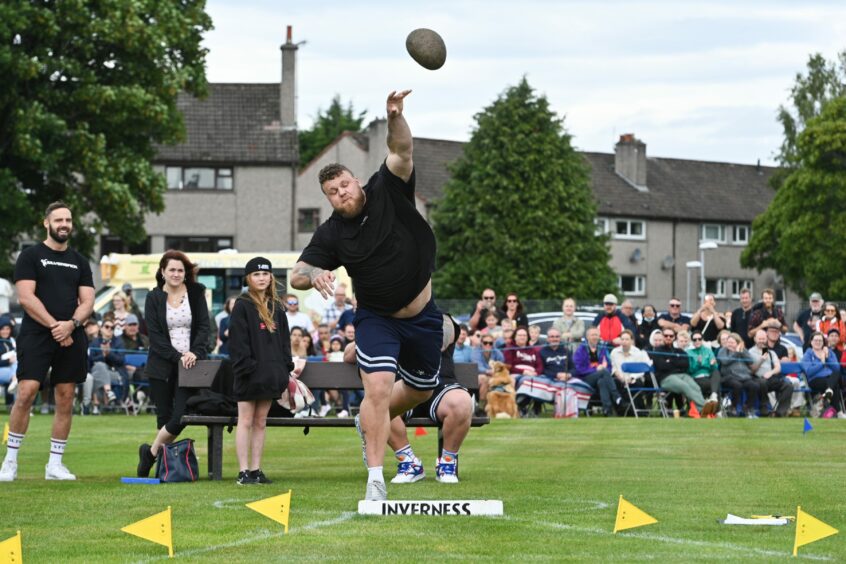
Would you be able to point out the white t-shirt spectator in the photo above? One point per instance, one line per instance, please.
(300, 319)
(6, 293)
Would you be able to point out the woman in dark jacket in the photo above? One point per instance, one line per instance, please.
(260, 349)
(178, 325)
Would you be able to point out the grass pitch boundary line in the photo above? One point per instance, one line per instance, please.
(263, 535)
(674, 540)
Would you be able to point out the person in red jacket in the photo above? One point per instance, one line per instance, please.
(612, 321)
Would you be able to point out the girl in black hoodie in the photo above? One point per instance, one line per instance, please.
(260, 350)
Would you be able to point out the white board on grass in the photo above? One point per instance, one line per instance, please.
(431, 507)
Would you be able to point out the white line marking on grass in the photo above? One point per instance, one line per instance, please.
(673, 540)
(263, 535)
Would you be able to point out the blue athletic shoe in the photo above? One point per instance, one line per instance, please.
(409, 471)
(446, 471)
(363, 441)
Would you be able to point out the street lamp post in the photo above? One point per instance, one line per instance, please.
(691, 264)
(704, 246)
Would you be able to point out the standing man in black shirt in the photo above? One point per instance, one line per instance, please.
(56, 291)
(739, 322)
(388, 249)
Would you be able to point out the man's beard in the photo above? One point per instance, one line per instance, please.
(57, 237)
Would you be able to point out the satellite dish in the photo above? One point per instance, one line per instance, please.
(668, 262)
(636, 255)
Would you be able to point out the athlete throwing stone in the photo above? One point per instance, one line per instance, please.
(56, 290)
(388, 249)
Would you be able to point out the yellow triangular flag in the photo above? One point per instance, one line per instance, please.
(629, 516)
(277, 508)
(5, 433)
(810, 529)
(11, 551)
(155, 528)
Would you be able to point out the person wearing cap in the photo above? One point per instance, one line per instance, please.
(134, 340)
(388, 249)
(806, 321)
(179, 327)
(835, 343)
(260, 351)
(674, 318)
(612, 321)
(134, 308)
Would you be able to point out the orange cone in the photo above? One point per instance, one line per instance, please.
(694, 413)
(420, 431)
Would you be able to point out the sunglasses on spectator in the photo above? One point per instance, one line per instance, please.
(609, 303)
(675, 305)
(511, 300)
(696, 339)
(487, 342)
(488, 297)
(669, 335)
(293, 302)
(108, 326)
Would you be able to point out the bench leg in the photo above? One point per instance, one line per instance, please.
(215, 452)
(440, 442)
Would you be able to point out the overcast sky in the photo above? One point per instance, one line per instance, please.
(694, 80)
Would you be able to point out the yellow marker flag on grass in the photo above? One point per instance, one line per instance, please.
(277, 508)
(156, 528)
(629, 516)
(5, 433)
(11, 551)
(810, 529)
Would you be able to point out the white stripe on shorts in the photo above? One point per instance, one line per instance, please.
(373, 362)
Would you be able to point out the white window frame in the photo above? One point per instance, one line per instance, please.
(735, 240)
(628, 235)
(639, 284)
(737, 285)
(704, 226)
(601, 225)
(719, 290)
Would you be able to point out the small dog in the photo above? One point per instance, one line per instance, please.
(501, 398)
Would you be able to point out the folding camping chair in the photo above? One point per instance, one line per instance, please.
(649, 372)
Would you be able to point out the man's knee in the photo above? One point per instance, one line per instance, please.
(456, 405)
(26, 392)
(378, 385)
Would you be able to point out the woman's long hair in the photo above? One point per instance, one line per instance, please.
(266, 302)
(190, 268)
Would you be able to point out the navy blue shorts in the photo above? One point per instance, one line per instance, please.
(409, 348)
(429, 408)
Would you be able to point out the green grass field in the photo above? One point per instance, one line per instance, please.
(559, 481)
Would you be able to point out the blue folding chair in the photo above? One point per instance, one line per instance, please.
(649, 371)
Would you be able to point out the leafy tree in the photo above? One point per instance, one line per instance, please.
(88, 89)
(327, 126)
(800, 233)
(811, 94)
(518, 213)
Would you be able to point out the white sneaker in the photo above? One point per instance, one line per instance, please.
(57, 472)
(376, 491)
(13, 385)
(409, 472)
(9, 471)
(324, 409)
(841, 415)
(714, 397)
(446, 472)
(343, 413)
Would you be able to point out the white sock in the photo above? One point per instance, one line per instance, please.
(57, 449)
(374, 474)
(13, 446)
(405, 453)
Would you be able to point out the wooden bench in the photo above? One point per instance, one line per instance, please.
(327, 376)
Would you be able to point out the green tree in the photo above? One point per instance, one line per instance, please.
(823, 83)
(518, 213)
(800, 234)
(327, 126)
(87, 90)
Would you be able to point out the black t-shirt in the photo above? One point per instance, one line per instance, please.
(388, 249)
(58, 275)
(802, 320)
(740, 324)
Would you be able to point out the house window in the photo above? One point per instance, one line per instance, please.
(632, 285)
(740, 234)
(716, 286)
(738, 285)
(114, 244)
(307, 220)
(629, 229)
(712, 232)
(198, 178)
(199, 244)
(601, 225)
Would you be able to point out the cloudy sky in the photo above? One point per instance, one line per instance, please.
(696, 80)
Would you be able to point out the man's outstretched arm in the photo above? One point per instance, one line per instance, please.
(305, 276)
(399, 137)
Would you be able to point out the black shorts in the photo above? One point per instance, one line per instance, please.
(38, 353)
(429, 408)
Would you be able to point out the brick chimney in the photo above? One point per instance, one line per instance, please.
(288, 86)
(630, 160)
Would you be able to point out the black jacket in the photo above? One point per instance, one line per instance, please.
(260, 359)
(163, 357)
(668, 360)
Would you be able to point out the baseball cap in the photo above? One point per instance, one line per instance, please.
(127, 287)
(609, 299)
(816, 297)
(256, 264)
(131, 319)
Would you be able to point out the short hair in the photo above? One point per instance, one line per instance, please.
(57, 205)
(683, 333)
(769, 291)
(745, 291)
(464, 328)
(172, 254)
(627, 332)
(331, 171)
